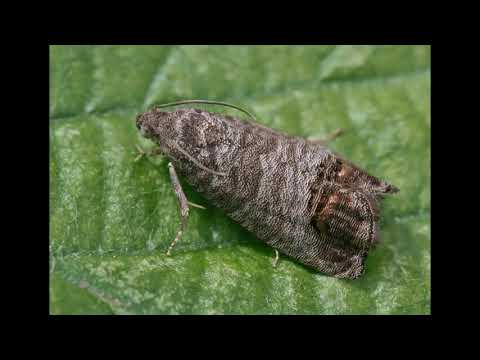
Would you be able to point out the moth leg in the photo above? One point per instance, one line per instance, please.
(182, 200)
(196, 205)
(327, 138)
(142, 153)
(275, 260)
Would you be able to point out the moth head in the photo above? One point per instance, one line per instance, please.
(155, 125)
(145, 124)
(189, 135)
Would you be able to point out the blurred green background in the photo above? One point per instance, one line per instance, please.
(112, 219)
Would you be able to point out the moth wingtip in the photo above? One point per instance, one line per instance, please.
(356, 269)
(359, 267)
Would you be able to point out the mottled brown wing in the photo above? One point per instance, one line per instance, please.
(346, 213)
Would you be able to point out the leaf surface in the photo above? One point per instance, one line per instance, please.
(112, 219)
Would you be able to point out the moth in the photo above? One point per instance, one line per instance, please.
(296, 195)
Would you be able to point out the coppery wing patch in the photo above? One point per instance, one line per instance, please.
(347, 221)
(348, 217)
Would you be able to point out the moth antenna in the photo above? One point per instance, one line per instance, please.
(205, 102)
(192, 159)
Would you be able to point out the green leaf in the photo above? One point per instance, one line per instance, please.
(112, 219)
